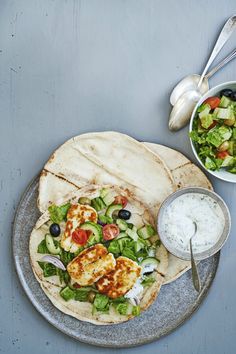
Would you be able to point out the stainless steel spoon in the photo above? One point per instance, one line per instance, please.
(195, 275)
(190, 82)
(183, 108)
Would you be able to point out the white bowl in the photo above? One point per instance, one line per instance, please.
(222, 174)
(197, 255)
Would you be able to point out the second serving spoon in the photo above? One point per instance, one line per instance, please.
(190, 82)
(183, 108)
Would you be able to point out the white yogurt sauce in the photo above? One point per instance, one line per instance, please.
(178, 220)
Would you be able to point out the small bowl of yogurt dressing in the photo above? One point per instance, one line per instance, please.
(176, 217)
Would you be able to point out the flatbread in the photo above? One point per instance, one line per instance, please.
(106, 158)
(60, 178)
(185, 174)
(83, 310)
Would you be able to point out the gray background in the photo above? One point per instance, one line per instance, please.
(68, 67)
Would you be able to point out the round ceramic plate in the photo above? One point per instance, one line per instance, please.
(174, 305)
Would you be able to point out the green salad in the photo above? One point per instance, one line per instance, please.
(214, 132)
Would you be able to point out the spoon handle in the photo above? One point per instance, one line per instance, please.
(225, 33)
(223, 62)
(195, 275)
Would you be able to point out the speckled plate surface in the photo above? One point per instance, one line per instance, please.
(174, 305)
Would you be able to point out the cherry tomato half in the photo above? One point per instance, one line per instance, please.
(110, 231)
(80, 237)
(213, 101)
(222, 154)
(119, 199)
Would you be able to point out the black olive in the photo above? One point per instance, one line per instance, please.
(233, 96)
(124, 214)
(226, 93)
(55, 230)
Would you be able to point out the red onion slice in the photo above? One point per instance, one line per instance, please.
(54, 260)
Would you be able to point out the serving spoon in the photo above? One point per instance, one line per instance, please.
(190, 82)
(184, 106)
(195, 274)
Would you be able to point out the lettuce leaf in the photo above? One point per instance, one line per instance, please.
(101, 303)
(58, 213)
(114, 247)
(218, 135)
(205, 151)
(42, 247)
(213, 164)
(206, 121)
(122, 308)
(48, 269)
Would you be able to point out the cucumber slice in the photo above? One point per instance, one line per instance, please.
(225, 102)
(139, 245)
(146, 231)
(149, 264)
(112, 208)
(107, 196)
(134, 228)
(98, 204)
(51, 245)
(132, 234)
(108, 199)
(121, 235)
(67, 293)
(104, 192)
(96, 230)
(123, 242)
(105, 219)
(122, 224)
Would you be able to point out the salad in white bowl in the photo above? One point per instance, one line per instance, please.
(213, 131)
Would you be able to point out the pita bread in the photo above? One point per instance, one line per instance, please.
(57, 180)
(185, 174)
(106, 158)
(52, 286)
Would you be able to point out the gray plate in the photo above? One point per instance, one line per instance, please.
(175, 304)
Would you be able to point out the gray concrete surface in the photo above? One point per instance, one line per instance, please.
(68, 67)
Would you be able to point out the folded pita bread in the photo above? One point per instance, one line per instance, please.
(52, 285)
(106, 158)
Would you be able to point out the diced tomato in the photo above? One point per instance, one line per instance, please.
(213, 124)
(222, 154)
(213, 101)
(110, 231)
(119, 199)
(80, 237)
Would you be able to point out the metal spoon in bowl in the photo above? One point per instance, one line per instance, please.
(190, 82)
(195, 275)
(183, 108)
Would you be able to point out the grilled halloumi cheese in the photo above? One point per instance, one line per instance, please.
(91, 264)
(77, 215)
(120, 280)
